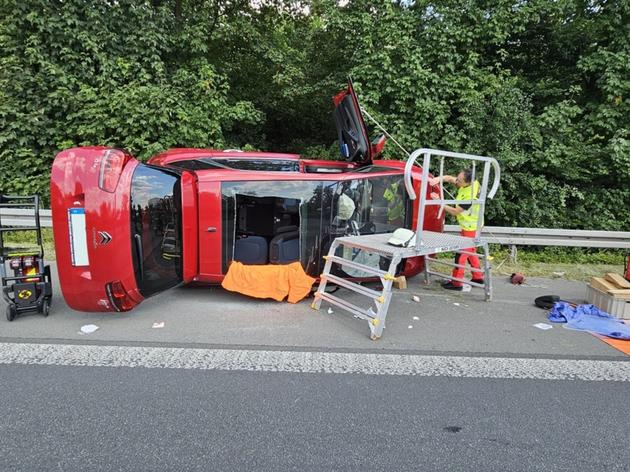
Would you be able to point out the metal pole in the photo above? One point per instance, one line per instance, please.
(423, 196)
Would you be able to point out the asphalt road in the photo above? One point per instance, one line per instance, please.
(231, 383)
(134, 419)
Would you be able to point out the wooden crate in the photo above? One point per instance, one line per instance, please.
(617, 307)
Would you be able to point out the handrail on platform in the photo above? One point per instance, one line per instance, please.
(479, 200)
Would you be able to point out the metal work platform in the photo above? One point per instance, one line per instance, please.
(425, 244)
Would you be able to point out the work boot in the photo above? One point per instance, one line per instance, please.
(451, 286)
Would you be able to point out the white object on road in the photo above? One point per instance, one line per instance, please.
(455, 303)
(543, 326)
(410, 326)
(416, 298)
(466, 288)
(416, 318)
(158, 324)
(330, 311)
(87, 329)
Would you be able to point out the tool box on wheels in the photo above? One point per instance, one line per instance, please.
(28, 287)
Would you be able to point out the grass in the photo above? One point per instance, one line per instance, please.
(24, 239)
(550, 262)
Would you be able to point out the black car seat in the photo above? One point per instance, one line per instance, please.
(251, 250)
(285, 247)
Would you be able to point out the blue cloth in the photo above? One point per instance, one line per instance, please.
(589, 318)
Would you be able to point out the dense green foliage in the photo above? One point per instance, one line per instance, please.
(542, 85)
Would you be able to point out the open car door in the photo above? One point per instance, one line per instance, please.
(353, 138)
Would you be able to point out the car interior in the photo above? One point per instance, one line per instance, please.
(267, 230)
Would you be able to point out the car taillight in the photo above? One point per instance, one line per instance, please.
(112, 165)
(15, 263)
(28, 261)
(118, 296)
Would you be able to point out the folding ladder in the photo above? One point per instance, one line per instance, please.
(427, 244)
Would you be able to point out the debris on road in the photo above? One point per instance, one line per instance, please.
(158, 324)
(416, 298)
(87, 329)
(416, 318)
(543, 326)
(410, 326)
(330, 311)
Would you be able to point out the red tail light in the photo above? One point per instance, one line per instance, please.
(118, 296)
(28, 261)
(112, 165)
(15, 263)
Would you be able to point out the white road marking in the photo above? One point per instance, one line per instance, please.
(313, 362)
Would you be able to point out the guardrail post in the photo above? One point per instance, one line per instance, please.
(513, 253)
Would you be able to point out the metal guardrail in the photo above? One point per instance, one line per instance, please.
(24, 217)
(493, 234)
(551, 237)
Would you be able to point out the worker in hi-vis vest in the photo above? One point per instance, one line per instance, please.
(467, 215)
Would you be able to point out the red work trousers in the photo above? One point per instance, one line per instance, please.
(461, 259)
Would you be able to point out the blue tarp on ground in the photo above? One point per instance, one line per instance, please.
(589, 318)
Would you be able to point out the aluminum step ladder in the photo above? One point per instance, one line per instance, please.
(376, 312)
(427, 244)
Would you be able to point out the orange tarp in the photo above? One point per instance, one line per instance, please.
(269, 281)
(619, 344)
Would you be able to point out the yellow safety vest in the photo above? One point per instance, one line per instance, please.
(468, 219)
(395, 202)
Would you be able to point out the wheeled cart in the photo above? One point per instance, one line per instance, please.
(29, 288)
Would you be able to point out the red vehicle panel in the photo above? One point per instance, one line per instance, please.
(125, 230)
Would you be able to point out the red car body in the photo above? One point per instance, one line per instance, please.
(125, 230)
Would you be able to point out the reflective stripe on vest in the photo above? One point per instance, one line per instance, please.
(468, 219)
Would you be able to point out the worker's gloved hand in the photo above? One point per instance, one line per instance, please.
(435, 196)
(434, 181)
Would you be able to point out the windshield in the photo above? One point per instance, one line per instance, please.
(156, 229)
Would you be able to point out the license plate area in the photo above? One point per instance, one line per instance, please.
(78, 237)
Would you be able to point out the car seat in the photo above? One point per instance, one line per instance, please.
(285, 247)
(251, 250)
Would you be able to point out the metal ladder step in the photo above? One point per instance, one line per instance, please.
(368, 292)
(7, 229)
(15, 204)
(355, 265)
(355, 310)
